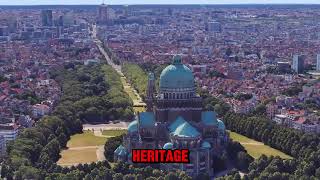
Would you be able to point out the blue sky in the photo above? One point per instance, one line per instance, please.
(46, 2)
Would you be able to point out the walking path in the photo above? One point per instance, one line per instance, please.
(100, 153)
(137, 102)
(97, 131)
(99, 128)
(258, 143)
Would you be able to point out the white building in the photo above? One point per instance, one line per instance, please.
(40, 110)
(318, 62)
(9, 131)
(2, 146)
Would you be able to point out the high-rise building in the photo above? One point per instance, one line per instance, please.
(4, 30)
(103, 13)
(2, 145)
(12, 24)
(318, 62)
(46, 17)
(214, 26)
(298, 63)
(68, 20)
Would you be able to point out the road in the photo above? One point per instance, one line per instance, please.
(110, 126)
(136, 102)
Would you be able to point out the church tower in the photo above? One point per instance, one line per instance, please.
(103, 14)
(150, 92)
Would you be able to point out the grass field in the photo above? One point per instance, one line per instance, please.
(113, 132)
(83, 147)
(139, 109)
(255, 148)
(70, 157)
(129, 90)
(87, 138)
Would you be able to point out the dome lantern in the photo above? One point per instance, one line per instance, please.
(177, 60)
(177, 77)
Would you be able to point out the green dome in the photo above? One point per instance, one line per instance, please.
(221, 125)
(176, 75)
(168, 145)
(133, 126)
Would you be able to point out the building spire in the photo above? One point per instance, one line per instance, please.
(150, 92)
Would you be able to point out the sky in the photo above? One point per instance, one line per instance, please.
(79, 2)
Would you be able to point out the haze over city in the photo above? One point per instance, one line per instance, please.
(79, 2)
(159, 90)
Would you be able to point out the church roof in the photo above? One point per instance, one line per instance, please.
(173, 126)
(176, 75)
(122, 152)
(182, 128)
(146, 119)
(133, 126)
(221, 125)
(119, 149)
(206, 145)
(209, 118)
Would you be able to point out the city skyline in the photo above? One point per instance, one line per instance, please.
(93, 2)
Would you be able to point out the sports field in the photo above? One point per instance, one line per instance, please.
(256, 148)
(114, 132)
(87, 138)
(86, 147)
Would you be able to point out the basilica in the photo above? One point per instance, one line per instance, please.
(175, 119)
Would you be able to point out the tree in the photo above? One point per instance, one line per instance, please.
(118, 176)
(171, 176)
(27, 172)
(243, 161)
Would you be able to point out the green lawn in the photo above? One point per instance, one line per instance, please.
(255, 148)
(79, 151)
(128, 89)
(87, 138)
(71, 157)
(113, 132)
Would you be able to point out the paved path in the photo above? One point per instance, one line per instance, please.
(116, 67)
(98, 133)
(101, 127)
(257, 143)
(100, 153)
(83, 147)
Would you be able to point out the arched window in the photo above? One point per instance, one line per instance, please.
(170, 96)
(174, 96)
(202, 159)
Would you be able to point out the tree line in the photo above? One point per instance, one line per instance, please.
(137, 77)
(89, 92)
(304, 147)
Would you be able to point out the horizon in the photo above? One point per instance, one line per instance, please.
(156, 2)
